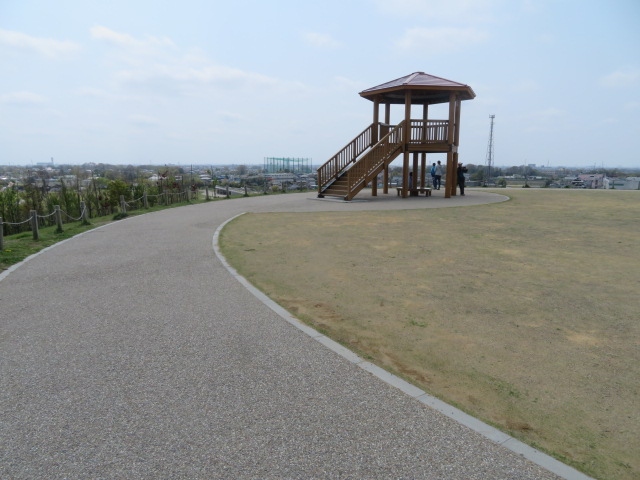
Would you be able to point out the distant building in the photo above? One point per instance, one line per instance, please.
(280, 178)
(46, 164)
(595, 180)
(629, 183)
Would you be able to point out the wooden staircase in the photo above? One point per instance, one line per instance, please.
(360, 162)
(338, 188)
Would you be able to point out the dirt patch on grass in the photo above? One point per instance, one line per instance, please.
(523, 313)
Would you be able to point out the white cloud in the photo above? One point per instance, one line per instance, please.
(22, 98)
(525, 86)
(440, 40)
(182, 74)
(548, 113)
(546, 38)
(94, 93)
(230, 117)
(129, 42)
(458, 10)
(44, 46)
(321, 40)
(530, 6)
(158, 64)
(545, 120)
(622, 78)
(348, 84)
(144, 120)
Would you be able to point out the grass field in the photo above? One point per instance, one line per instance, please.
(523, 313)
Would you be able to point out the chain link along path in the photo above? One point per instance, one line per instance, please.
(134, 351)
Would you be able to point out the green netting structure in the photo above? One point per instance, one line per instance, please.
(287, 165)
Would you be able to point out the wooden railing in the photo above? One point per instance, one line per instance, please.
(359, 170)
(336, 164)
(375, 159)
(429, 131)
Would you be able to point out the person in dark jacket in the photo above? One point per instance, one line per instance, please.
(461, 171)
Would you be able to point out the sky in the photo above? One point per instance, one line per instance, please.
(211, 82)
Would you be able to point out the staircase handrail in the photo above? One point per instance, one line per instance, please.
(375, 158)
(330, 170)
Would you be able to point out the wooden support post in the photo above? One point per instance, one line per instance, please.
(58, 216)
(415, 171)
(34, 225)
(456, 142)
(455, 171)
(406, 138)
(385, 179)
(145, 200)
(405, 174)
(425, 119)
(456, 137)
(451, 174)
(384, 126)
(374, 186)
(407, 118)
(376, 122)
(448, 176)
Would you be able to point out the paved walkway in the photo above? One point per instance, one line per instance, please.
(131, 351)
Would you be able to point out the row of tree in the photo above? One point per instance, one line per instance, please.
(480, 173)
(100, 198)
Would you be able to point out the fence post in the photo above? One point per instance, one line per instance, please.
(166, 199)
(227, 190)
(123, 205)
(206, 193)
(34, 225)
(144, 200)
(58, 216)
(84, 214)
(1, 235)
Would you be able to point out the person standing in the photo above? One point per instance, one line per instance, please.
(460, 174)
(438, 180)
(433, 175)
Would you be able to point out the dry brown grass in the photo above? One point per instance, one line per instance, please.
(523, 313)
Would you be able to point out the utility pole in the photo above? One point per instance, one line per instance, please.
(489, 161)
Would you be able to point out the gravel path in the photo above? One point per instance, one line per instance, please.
(131, 351)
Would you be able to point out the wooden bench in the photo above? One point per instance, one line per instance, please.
(414, 192)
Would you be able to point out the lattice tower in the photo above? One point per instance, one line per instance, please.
(489, 161)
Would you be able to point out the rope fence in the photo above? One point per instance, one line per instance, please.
(56, 216)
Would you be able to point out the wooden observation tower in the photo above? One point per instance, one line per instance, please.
(373, 150)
